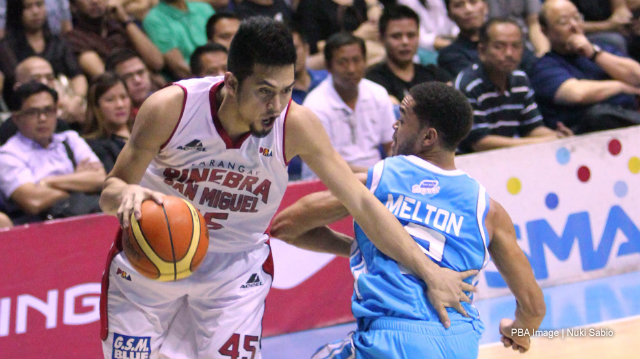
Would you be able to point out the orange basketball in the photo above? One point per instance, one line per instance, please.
(169, 241)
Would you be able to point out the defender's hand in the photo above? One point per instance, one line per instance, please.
(132, 198)
(448, 291)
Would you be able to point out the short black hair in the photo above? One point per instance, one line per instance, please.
(448, 2)
(211, 23)
(119, 56)
(260, 40)
(26, 90)
(339, 40)
(396, 12)
(484, 29)
(444, 108)
(196, 62)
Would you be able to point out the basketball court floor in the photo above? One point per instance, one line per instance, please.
(606, 309)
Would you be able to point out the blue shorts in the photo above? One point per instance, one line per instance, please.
(404, 338)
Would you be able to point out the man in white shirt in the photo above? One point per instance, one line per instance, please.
(356, 113)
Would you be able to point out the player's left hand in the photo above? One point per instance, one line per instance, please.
(519, 343)
(448, 291)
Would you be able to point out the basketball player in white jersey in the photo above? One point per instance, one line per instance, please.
(224, 144)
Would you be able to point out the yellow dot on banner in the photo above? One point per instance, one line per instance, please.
(513, 185)
(634, 164)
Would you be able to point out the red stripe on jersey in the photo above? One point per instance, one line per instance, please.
(184, 102)
(116, 248)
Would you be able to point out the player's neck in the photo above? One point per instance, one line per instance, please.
(229, 115)
(440, 158)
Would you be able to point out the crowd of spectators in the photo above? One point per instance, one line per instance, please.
(73, 74)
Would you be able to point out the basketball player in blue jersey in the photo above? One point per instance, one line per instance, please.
(450, 217)
(224, 143)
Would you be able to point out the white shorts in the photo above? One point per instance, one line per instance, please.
(214, 313)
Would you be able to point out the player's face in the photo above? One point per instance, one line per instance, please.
(407, 130)
(36, 119)
(503, 51)
(264, 95)
(401, 40)
(347, 66)
(115, 106)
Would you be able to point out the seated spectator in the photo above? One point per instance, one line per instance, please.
(108, 124)
(58, 16)
(398, 73)
(138, 8)
(505, 113)
(209, 60)
(5, 221)
(41, 168)
(71, 107)
(469, 15)
(586, 86)
(177, 27)
(221, 27)
(525, 12)
(275, 9)
(606, 21)
(356, 113)
(100, 28)
(437, 31)
(135, 74)
(28, 35)
(306, 79)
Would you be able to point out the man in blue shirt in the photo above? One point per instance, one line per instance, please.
(451, 218)
(582, 84)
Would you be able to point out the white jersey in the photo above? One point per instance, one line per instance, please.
(236, 186)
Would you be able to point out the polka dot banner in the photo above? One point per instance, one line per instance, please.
(615, 147)
(551, 200)
(620, 189)
(584, 173)
(634, 164)
(563, 155)
(513, 185)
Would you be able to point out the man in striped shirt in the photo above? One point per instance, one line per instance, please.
(505, 112)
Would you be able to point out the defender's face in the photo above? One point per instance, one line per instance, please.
(401, 40)
(407, 130)
(263, 96)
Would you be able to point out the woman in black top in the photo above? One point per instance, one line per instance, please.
(27, 34)
(108, 123)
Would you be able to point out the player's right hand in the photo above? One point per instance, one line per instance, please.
(448, 291)
(131, 202)
(518, 343)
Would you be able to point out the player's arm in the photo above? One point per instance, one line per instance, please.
(306, 137)
(303, 224)
(155, 122)
(516, 271)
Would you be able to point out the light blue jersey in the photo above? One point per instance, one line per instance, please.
(444, 211)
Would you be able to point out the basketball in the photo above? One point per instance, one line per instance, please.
(169, 241)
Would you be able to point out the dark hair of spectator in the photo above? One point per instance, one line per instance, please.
(484, 29)
(396, 12)
(196, 61)
(448, 2)
(211, 23)
(24, 91)
(117, 57)
(94, 124)
(260, 40)
(445, 109)
(339, 40)
(296, 28)
(14, 26)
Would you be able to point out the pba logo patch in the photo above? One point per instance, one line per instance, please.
(426, 187)
(266, 152)
(126, 347)
(123, 274)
